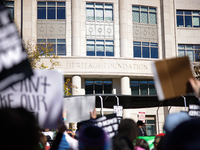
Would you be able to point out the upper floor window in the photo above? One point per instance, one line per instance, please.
(10, 7)
(192, 51)
(100, 47)
(55, 46)
(143, 87)
(188, 18)
(146, 15)
(98, 86)
(99, 11)
(145, 49)
(51, 10)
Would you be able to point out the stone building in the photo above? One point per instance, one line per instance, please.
(107, 46)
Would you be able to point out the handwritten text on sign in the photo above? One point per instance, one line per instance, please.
(41, 94)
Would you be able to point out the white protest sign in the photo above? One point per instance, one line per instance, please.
(42, 94)
(78, 108)
(118, 110)
(14, 64)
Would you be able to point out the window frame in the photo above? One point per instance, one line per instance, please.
(103, 88)
(149, 46)
(12, 17)
(56, 9)
(194, 49)
(56, 43)
(148, 11)
(96, 44)
(150, 117)
(184, 15)
(98, 8)
(139, 87)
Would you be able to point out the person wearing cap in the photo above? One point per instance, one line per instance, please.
(156, 141)
(141, 131)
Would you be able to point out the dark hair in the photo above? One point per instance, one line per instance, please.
(142, 143)
(140, 123)
(121, 143)
(128, 128)
(19, 122)
(93, 138)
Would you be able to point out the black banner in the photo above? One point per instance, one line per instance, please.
(14, 64)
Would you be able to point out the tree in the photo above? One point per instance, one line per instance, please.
(36, 52)
(46, 50)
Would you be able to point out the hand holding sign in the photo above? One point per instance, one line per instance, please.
(195, 85)
(93, 114)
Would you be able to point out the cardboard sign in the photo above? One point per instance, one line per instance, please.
(42, 94)
(14, 64)
(108, 123)
(171, 77)
(78, 108)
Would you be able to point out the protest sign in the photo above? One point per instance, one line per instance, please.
(194, 110)
(78, 108)
(108, 123)
(14, 64)
(41, 94)
(118, 109)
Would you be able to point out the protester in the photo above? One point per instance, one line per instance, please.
(63, 145)
(93, 138)
(121, 143)
(19, 130)
(43, 141)
(128, 128)
(73, 143)
(156, 142)
(141, 131)
(173, 120)
(142, 143)
(185, 136)
(59, 136)
(78, 129)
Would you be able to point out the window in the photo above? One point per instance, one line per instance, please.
(188, 19)
(192, 51)
(150, 125)
(10, 7)
(51, 10)
(146, 15)
(57, 46)
(99, 12)
(100, 48)
(142, 87)
(145, 49)
(98, 86)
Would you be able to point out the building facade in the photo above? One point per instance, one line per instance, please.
(107, 46)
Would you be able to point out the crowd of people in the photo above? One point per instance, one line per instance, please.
(20, 131)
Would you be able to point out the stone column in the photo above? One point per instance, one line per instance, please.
(125, 86)
(76, 83)
(123, 28)
(168, 28)
(76, 27)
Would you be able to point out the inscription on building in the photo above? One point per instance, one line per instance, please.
(115, 66)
